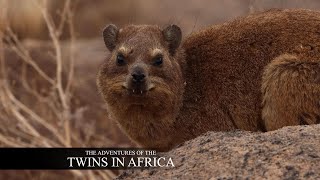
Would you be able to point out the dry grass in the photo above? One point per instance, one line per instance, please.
(40, 111)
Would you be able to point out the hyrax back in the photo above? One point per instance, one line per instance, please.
(254, 73)
(226, 65)
(291, 92)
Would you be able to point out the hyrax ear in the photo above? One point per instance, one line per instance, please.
(172, 34)
(110, 34)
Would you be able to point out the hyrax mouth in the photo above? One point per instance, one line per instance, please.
(138, 90)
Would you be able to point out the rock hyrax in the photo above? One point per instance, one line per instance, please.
(256, 73)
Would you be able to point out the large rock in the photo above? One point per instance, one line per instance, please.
(288, 153)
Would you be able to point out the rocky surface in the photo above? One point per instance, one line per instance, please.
(288, 153)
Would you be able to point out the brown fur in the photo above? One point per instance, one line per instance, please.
(238, 76)
(291, 92)
(148, 120)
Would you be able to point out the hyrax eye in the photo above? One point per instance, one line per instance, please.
(158, 60)
(120, 60)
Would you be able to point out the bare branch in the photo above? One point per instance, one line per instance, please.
(18, 48)
(44, 119)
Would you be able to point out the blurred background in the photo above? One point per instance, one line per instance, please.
(50, 53)
(91, 16)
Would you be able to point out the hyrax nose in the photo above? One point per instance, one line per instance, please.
(138, 75)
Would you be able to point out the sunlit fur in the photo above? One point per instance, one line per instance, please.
(291, 92)
(256, 73)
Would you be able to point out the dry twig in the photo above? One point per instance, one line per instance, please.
(31, 126)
